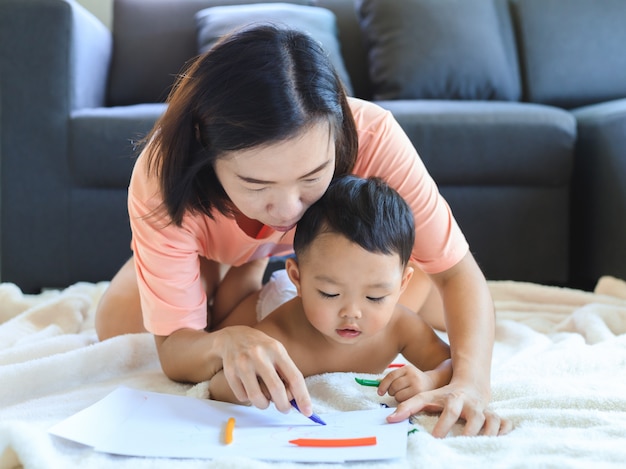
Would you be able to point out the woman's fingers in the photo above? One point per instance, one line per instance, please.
(505, 426)
(475, 421)
(451, 413)
(492, 424)
(243, 381)
(282, 380)
(453, 406)
(296, 387)
(259, 370)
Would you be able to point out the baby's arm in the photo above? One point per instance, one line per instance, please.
(219, 389)
(429, 367)
(441, 375)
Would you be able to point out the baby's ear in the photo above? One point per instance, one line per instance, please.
(406, 277)
(293, 271)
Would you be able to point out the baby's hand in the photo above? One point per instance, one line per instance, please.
(407, 381)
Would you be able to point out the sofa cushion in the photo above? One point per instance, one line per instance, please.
(152, 42)
(318, 22)
(436, 49)
(118, 131)
(573, 50)
(479, 143)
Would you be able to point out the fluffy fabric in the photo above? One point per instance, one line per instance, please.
(558, 373)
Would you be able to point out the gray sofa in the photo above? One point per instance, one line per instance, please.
(516, 107)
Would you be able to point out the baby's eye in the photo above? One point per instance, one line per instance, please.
(327, 295)
(376, 299)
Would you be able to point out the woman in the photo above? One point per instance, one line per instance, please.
(254, 133)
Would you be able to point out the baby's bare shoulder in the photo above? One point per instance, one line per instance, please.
(280, 324)
(406, 322)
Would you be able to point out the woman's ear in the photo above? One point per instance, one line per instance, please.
(293, 271)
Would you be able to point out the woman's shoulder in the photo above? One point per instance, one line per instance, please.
(144, 187)
(373, 122)
(365, 112)
(383, 145)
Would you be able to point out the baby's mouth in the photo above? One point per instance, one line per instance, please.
(348, 333)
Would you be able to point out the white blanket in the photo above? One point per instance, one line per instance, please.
(559, 373)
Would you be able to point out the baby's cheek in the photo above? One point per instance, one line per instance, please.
(377, 322)
(322, 319)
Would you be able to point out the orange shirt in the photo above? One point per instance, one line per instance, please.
(167, 256)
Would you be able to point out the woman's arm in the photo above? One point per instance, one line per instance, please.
(247, 356)
(470, 322)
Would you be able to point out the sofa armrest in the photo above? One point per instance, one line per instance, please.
(43, 77)
(92, 46)
(599, 194)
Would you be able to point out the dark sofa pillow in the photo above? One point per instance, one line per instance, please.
(573, 50)
(319, 23)
(436, 49)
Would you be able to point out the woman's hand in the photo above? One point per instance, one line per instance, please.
(455, 401)
(259, 370)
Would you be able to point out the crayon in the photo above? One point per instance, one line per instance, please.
(313, 417)
(228, 432)
(367, 382)
(334, 442)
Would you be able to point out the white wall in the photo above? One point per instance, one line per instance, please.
(102, 9)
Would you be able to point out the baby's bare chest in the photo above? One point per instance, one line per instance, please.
(370, 358)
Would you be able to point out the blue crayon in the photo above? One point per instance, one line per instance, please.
(313, 417)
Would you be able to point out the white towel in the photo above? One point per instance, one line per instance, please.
(559, 373)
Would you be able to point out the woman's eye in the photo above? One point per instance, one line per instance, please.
(327, 295)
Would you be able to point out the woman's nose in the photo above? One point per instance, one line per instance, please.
(286, 206)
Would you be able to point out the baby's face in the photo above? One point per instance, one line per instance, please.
(348, 293)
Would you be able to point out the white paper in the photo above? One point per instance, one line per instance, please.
(139, 423)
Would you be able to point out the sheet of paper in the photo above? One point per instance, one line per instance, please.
(139, 423)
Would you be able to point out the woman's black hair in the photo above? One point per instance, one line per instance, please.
(367, 212)
(256, 86)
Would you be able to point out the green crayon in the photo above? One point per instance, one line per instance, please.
(367, 382)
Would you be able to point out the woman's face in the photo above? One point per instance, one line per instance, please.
(275, 184)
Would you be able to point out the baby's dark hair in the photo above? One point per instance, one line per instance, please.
(367, 212)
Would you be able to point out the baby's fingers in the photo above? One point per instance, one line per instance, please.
(389, 383)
